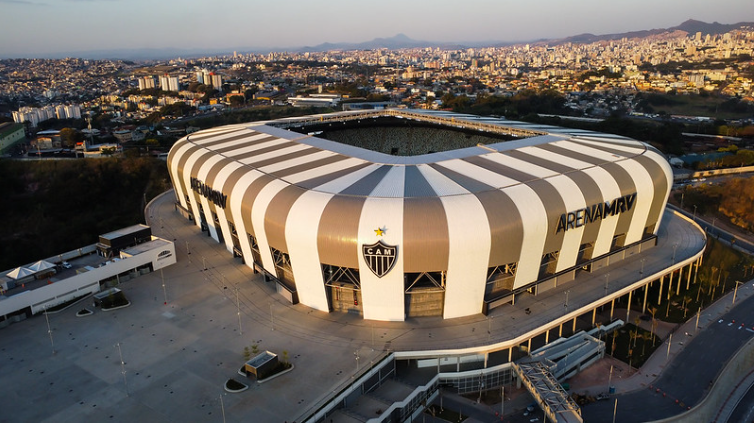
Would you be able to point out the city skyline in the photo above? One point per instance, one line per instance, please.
(46, 28)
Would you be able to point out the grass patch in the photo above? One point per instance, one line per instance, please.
(117, 299)
(632, 344)
(68, 303)
(445, 414)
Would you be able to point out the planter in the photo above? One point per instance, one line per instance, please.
(234, 386)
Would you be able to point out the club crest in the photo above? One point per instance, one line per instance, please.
(380, 257)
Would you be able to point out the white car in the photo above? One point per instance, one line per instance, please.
(66, 265)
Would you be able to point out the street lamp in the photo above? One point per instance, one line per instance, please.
(607, 281)
(566, 300)
(49, 331)
(356, 354)
(272, 320)
(164, 291)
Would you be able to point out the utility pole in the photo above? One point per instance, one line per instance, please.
(123, 368)
(238, 306)
(164, 291)
(49, 331)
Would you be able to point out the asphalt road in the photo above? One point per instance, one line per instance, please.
(689, 376)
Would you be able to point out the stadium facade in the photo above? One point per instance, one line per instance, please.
(442, 214)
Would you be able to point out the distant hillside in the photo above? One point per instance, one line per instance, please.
(690, 27)
(401, 41)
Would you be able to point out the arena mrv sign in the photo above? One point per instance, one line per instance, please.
(216, 197)
(595, 212)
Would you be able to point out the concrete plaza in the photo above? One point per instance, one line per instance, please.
(178, 355)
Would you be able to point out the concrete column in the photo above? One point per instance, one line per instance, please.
(670, 285)
(696, 271)
(628, 309)
(574, 326)
(680, 277)
(547, 337)
(528, 347)
(560, 331)
(659, 296)
(510, 354)
(458, 364)
(486, 358)
(688, 277)
(644, 303)
(513, 299)
(612, 307)
(594, 315)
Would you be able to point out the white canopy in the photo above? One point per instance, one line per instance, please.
(20, 272)
(41, 265)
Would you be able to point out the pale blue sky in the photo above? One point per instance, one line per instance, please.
(32, 28)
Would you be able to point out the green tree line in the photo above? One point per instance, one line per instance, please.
(54, 206)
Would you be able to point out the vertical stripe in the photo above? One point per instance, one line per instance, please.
(534, 222)
(301, 234)
(610, 191)
(258, 215)
(425, 235)
(383, 297)
(469, 249)
(337, 240)
(643, 203)
(572, 197)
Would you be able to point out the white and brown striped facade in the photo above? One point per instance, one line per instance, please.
(293, 203)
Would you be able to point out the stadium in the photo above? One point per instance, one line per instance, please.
(393, 214)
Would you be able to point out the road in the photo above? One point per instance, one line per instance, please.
(687, 379)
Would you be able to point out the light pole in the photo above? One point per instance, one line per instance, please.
(356, 355)
(164, 291)
(204, 262)
(123, 368)
(49, 331)
(607, 281)
(222, 407)
(502, 401)
(566, 300)
(694, 212)
(238, 307)
(683, 193)
(272, 320)
(188, 251)
(489, 328)
(735, 291)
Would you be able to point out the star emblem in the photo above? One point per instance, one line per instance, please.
(379, 231)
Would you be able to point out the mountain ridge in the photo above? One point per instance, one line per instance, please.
(398, 41)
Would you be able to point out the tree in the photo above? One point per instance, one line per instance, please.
(69, 137)
(237, 100)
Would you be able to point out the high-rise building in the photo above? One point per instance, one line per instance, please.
(169, 83)
(146, 83)
(216, 81)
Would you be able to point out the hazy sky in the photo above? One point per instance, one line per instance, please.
(33, 28)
